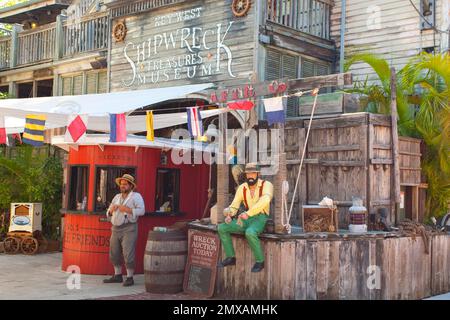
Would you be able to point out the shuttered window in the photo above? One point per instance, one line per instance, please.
(96, 82)
(77, 85)
(280, 65)
(313, 69)
(74, 85)
(66, 86)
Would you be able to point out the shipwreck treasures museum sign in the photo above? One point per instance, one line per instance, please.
(198, 42)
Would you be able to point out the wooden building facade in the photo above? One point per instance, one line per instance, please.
(395, 30)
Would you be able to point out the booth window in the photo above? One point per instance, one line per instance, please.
(167, 190)
(106, 187)
(78, 188)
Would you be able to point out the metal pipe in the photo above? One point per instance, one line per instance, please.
(342, 47)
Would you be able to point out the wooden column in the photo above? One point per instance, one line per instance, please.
(415, 203)
(13, 55)
(59, 38)
(278, 183)
(223, 169)
(395, 191)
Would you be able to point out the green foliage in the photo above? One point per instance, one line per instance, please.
(29, 175)
(5, 4)
(376, 97)
(426, 77)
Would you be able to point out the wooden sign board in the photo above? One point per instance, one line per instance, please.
(201, 267)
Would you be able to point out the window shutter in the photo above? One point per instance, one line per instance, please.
(307, 69)
(78, 85)
(273, 65)
(290, 66)
(91, 79)
(66, 86)
(322, 70)
(102, 80)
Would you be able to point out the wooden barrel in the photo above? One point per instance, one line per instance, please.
(164, 261)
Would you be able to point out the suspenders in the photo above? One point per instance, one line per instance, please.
(245, 194)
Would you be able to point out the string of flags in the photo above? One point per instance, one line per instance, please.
(77, 124)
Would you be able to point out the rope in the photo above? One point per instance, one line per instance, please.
(287, 226)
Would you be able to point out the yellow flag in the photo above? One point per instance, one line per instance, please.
(202, 138)
(150, 131)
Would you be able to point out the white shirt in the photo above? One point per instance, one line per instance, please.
(134, 201)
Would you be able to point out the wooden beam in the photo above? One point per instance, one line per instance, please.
(331, 80)
(395, 154)
(277, 87)
(223, 171)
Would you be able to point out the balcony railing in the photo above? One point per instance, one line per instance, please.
(86, 35)
(309, 16)
(36, 45)
(62, 39)
(5, 48)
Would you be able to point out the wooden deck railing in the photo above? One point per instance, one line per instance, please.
(309, 16)
(33, 46)
(36, 45)
(86, 35)
(5, 45)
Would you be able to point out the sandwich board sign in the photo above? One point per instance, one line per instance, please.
(201, 267)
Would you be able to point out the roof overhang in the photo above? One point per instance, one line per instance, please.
(24, 10)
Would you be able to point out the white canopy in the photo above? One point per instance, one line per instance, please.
(97, 107)
(102, 140)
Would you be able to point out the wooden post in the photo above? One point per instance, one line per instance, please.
(395, 191)
(280, 177)
(59, 38)
(278, 190)
(415, 203)
(13, 55)
(223, 170)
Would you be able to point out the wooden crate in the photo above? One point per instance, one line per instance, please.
(329, 216)
(347, 155)
(409, 161)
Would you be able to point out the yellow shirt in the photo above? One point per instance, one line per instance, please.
(256, 204)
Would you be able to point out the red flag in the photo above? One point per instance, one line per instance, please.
(3, 136)
(17, 136)
(241, 105)
(76, 128)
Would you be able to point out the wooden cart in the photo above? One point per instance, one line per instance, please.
(25, 229)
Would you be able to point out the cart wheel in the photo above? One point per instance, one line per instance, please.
(29, 245)
(12, 245)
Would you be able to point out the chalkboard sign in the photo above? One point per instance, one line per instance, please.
(201, 268)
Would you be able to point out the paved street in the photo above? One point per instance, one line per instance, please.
(39, 278)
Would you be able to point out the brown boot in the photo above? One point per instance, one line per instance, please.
(114, 279)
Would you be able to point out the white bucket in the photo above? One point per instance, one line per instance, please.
(357, 228)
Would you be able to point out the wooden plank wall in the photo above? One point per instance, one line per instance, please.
(339, 269)
(440, 268)
(409, 157)
(397, 37)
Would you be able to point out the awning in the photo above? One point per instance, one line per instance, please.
(136, 142)
(97, 107)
